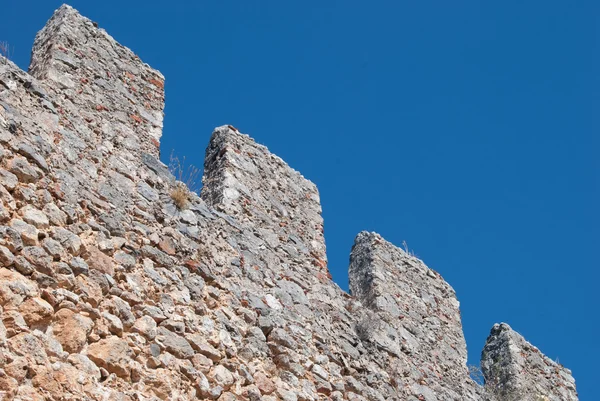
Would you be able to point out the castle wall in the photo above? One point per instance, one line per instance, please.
(111, 291)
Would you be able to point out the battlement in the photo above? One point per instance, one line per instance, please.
(108, 287)
(419, 310)
(244, 179)
(516, 370)
(122, 96)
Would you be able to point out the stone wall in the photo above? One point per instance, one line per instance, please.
(418, 316)
(109, 291)
(245, 180)
(110, 90)
(516, 370)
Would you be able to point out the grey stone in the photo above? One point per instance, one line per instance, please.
(124, 259)
(514, 369)
(174, 343)
(21, 168)
(38, 257)
(56, 216)
(27, 151)
(79, 266)
(54, 248)
(159, 168)
(23, 266)
(10, 238)
(147, 192)
(68, 240)
(29, 234)
(35, 217)
(8, 179)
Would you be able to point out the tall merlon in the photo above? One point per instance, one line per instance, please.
(119, 97)
(244, 179)
(418, 311)
(516, 370)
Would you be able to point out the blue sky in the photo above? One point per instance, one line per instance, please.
(468, 129)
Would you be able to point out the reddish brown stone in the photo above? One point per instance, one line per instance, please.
(264, 384)
(71, 329)
(112, 354)
(99, 261)
(36, 312)
(167, 246)
(158, 83)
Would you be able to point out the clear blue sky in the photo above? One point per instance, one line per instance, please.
(469, 129)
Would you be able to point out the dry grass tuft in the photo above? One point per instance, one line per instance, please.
(187, 181)
(5, 50)
(180, 194)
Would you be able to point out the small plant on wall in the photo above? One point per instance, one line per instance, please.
(5, 50)
(187, 181)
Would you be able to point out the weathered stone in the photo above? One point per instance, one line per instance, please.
(115, 326)
(264, 384)
(6, 257)
(23, 266)
(154, 312)
(44, 280)
(99, 261)
(514, 369)
(112, 354)
(167, 246)
(408, 296)
(202, 363)
(38, 257)
(14, 323)
(36, 312)
(89, 290)
(56, 216)
(202, 347)
(146, 326)
(54, 249)
(85, 365)
(29, 234)
(8, 179)
(124, 259)
(79, 266)
(27, 345)
(174, 343)
(71, 329)
(221, 376)
(69, 240)
(10, 238)
(17, 369)
(35, 217)
(4, 213)
(21, 168)
(161, 258)
(235, 190)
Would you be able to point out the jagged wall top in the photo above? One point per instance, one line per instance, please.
(417, 313)
(93, 71)
(115, 291)
(243, 179)
(516, 370)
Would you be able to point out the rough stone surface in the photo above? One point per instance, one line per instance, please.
(108, 291)
(71, 330)
(417, 315)
(245, 180)
(113, 354)
(516, 370)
